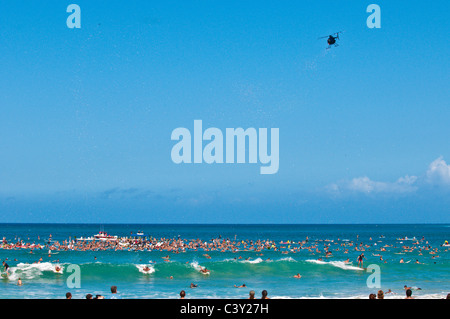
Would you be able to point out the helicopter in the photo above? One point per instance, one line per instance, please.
(332, 39)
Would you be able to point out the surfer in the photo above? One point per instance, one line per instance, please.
(360, 260)
(204, 270)
(6, 267)
(298, 276)
(146, 269)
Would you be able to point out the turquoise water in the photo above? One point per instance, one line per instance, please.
(274, 271)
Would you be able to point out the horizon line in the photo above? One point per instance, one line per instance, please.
(222, 224)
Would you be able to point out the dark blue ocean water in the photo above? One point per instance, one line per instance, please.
(273, 271)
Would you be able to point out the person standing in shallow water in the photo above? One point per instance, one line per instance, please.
(264, 294)
(251, 294)
(114, 292)
(409, 294)
(360, 260)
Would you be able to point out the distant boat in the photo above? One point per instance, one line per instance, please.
(104, 236)
(140, 233)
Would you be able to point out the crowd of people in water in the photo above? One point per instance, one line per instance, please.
(324, 248)
(177, 245)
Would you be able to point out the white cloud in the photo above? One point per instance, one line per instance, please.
(366, 185)
(438, 172)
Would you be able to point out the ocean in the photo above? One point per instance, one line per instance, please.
(321, 276)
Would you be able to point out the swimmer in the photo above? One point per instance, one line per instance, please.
(298, 276)
(241, 286)
(389, 292)
(264, 294)
(408, 294)
(411, 288)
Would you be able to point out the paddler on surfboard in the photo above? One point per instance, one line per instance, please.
(204, 270)
(146, 269)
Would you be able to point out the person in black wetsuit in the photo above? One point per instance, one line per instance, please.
(6, 267)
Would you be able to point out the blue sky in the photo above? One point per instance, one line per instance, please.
(86, 114)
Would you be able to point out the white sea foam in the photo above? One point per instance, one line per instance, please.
(30, 271)
(314, 261)
(255, 261)
(287, 259)
(343, 265)
(198, 267)
(361, 296)
(338, 264)
(141, 267)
